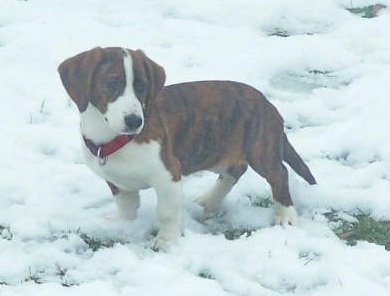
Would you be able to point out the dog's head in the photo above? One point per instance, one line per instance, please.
(119, 83)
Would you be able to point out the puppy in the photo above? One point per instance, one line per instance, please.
(138, 134)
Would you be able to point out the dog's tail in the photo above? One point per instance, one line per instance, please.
(296, 162)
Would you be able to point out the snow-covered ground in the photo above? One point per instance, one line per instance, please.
(330, 80)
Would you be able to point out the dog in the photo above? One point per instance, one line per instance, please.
(138, 134)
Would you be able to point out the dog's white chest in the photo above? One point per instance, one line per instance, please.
(133, 167)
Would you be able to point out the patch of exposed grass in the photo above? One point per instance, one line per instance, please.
(96, 244)
(33, 277)
(350, 228)
(261, 201)
(236, 233)
(93, 243)
(5, 233)
(233, 234)
(369, 11)
(308, 256)
(362, 227)
(206, 274)
(279, 32)
(39, 276)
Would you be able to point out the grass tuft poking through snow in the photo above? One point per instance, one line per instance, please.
(96, 243)
(369, 11)
(362, 227)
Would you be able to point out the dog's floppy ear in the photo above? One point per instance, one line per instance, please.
(77, 74)
(149, 77)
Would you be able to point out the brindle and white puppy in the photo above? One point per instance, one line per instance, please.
(166, 132)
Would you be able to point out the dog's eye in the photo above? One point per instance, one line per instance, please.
(140, 87)
(114, 86)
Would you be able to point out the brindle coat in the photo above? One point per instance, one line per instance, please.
(222, 126)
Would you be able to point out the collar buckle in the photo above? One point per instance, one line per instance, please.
(102, 159)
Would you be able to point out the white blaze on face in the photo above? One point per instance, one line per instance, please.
(125, 105)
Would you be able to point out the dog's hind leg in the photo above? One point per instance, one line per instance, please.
(277, 178)
(226, 180)
(285, 213)
(266, 160)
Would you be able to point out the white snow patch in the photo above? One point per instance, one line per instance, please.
(329, 78)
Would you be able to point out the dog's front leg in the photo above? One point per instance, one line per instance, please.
(169, 210)
(127, 203)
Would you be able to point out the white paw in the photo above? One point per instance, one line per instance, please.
(285, 215)
(165, 238)
(208, 203)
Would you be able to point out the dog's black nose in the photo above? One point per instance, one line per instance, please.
(133, 121)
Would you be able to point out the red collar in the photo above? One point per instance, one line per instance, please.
(105, 150)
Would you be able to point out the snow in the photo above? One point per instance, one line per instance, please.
(329, 79)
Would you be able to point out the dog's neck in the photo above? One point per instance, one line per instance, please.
(94, 127)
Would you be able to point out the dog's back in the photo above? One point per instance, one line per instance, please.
(214, 122)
